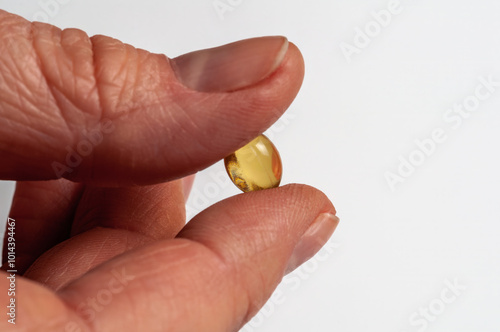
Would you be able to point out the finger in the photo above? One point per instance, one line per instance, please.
(46, 213)
(43, 212)
(42, 310)
(216, 275)
(156, 211)
(100, 111)
(74, 257)
(109, 222)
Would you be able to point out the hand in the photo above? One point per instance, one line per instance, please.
(98, 132)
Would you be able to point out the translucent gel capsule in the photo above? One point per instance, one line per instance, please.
(256, 166)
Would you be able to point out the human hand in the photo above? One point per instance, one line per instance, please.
(99, 132)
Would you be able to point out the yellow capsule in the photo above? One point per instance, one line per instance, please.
(256, 166)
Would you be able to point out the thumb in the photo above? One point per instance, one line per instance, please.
(95, 110)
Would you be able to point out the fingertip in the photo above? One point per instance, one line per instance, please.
(287, 212)
(300, 196)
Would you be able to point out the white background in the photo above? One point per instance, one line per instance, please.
(396, 251)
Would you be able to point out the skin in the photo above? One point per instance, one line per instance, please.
(106, 248)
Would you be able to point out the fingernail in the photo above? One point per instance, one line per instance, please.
(313, 240)
(231, 67)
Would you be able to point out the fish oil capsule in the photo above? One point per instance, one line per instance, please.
(256, 166)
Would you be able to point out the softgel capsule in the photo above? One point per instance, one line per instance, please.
(256, 166)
